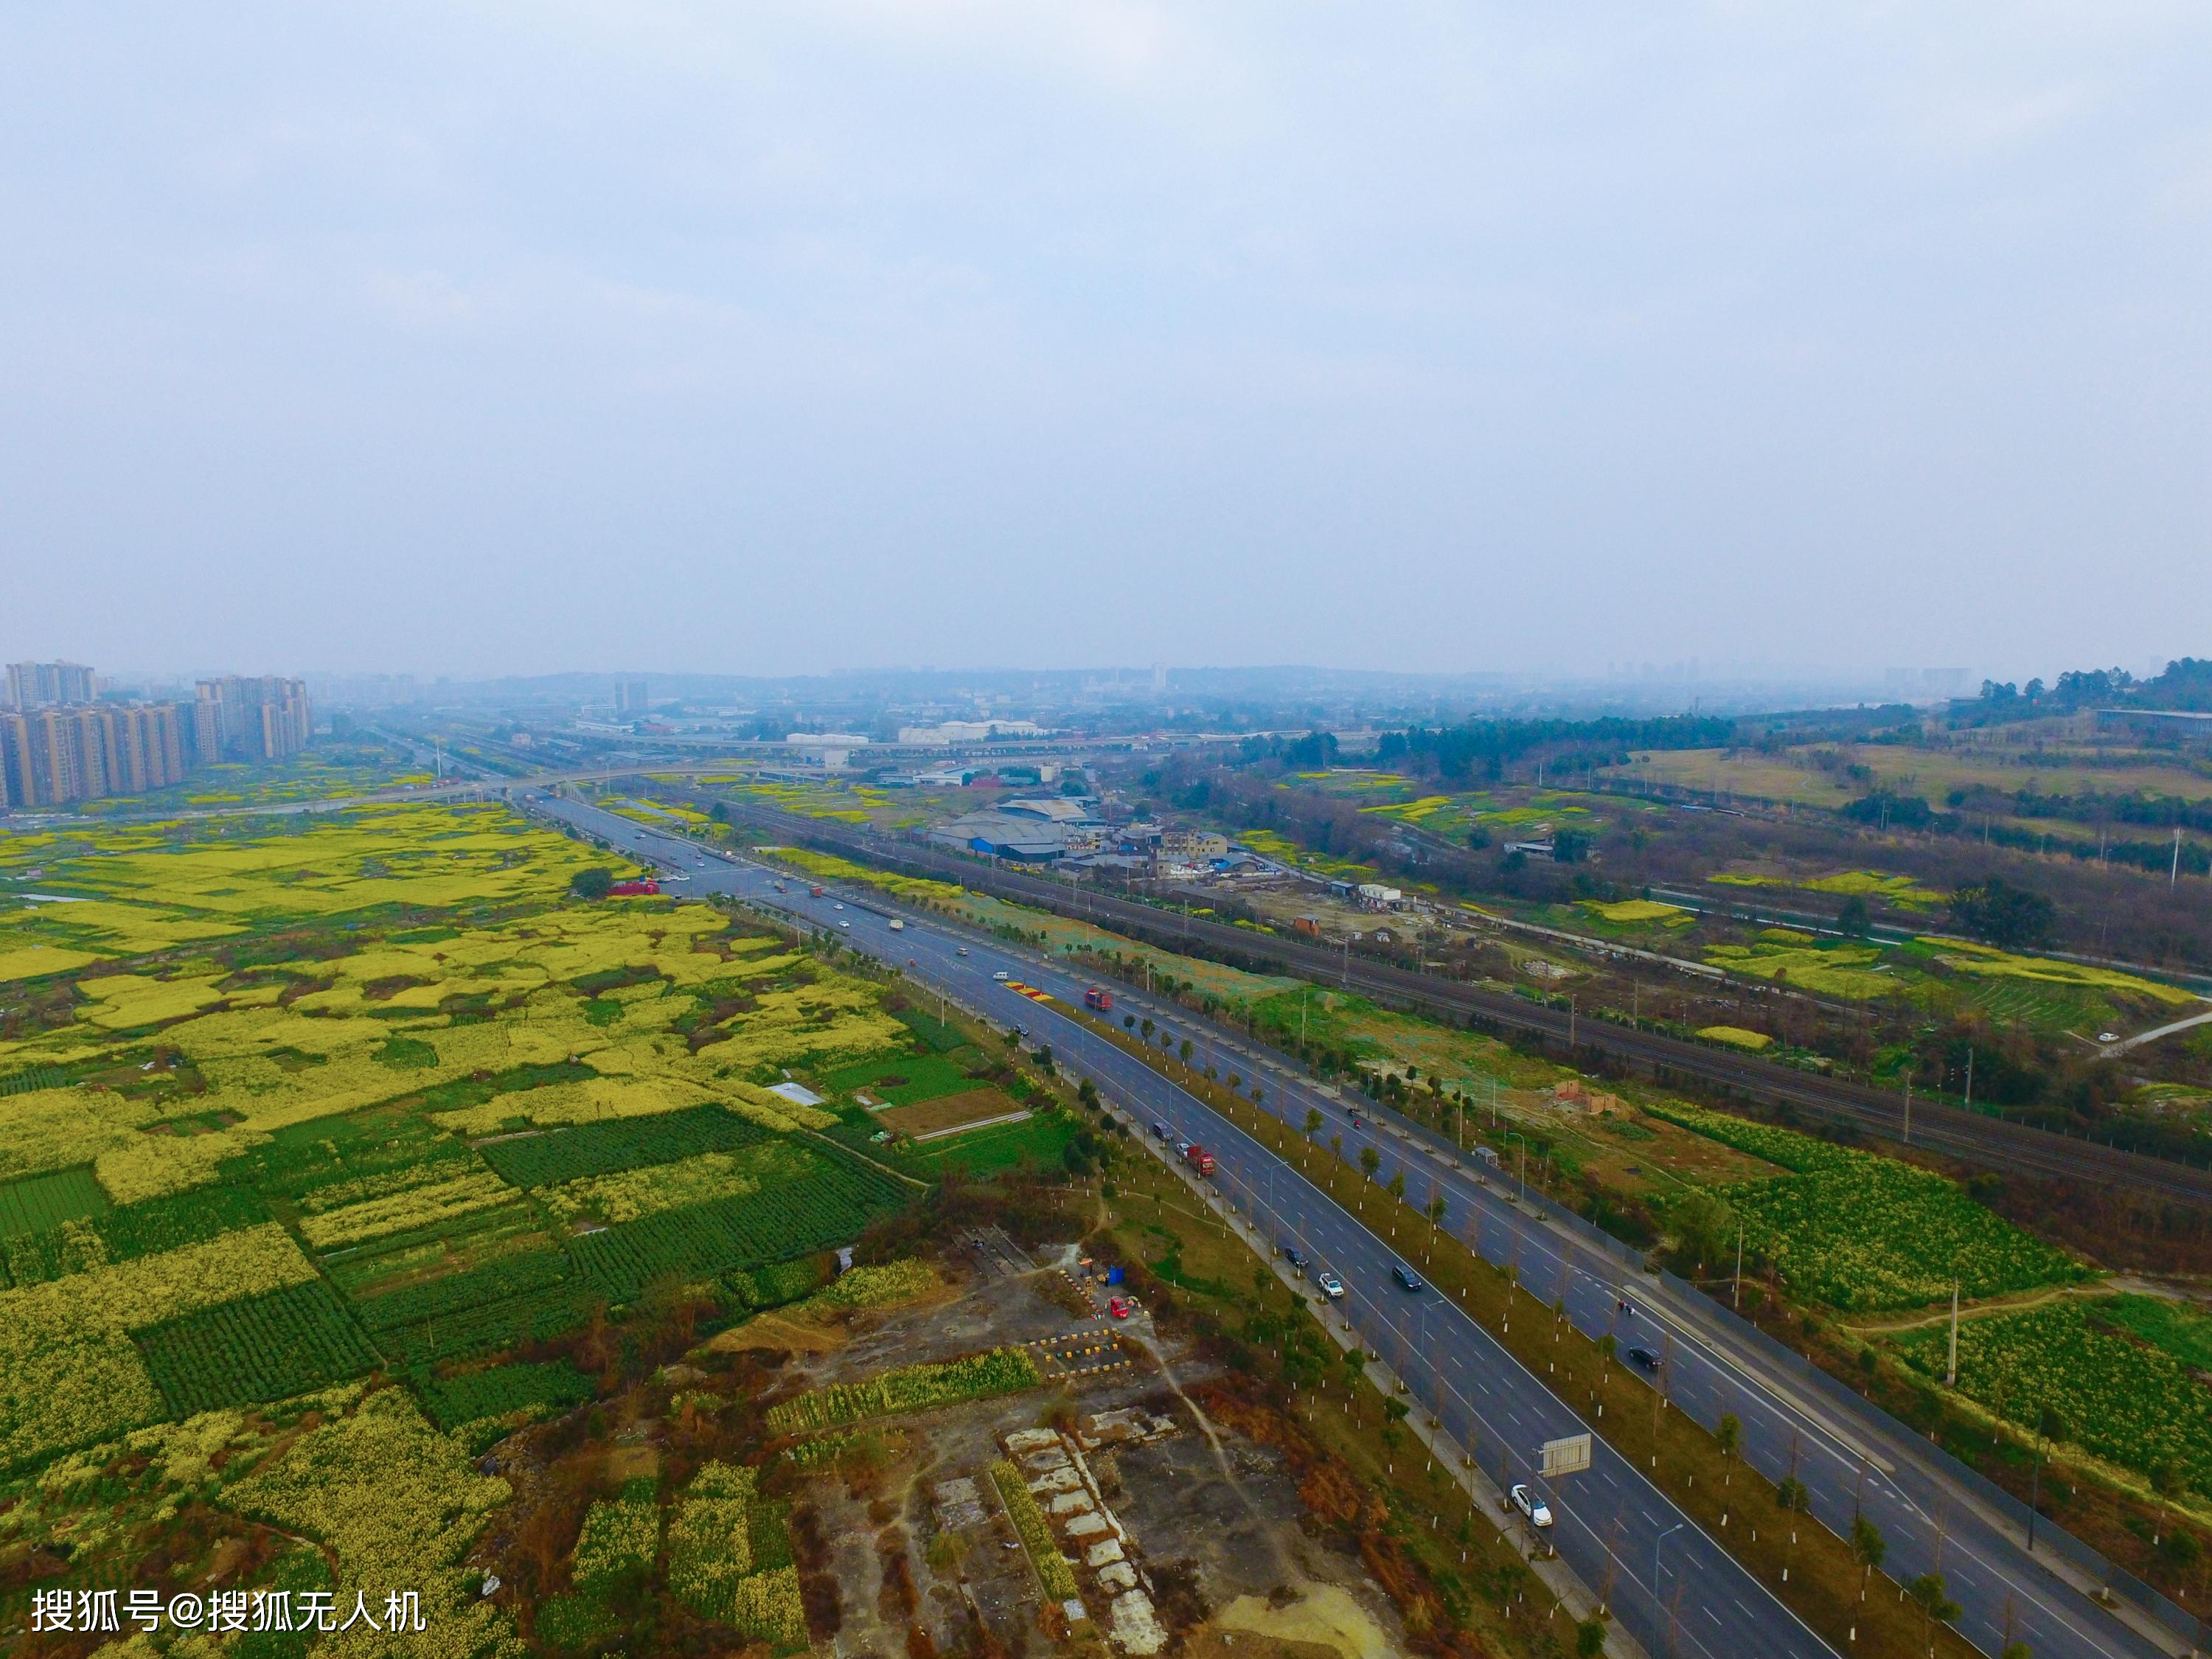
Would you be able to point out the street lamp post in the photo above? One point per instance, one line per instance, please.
(1656, 1543)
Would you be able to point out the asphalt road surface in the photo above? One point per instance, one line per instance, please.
(1673, 1586)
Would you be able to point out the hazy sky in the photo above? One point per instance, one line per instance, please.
(760, 337)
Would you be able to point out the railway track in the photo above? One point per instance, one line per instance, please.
(1970, 1136)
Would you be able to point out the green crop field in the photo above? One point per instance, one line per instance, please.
(39, 1204)
(1862, 1232)
(902, 1080)
(1034, 1143)
(125, 1233)
(832, 1202)
(548, 1159)
(262, 1347)
(2120, 1393)
(501, 1394)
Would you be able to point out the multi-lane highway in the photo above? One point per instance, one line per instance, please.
(1672, 1585)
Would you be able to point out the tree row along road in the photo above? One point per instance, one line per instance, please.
(1972, 1136)
(1610, 1520)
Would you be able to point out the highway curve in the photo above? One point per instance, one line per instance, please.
(1971, 1136)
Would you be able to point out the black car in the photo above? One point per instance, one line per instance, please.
(1640, 1355)
(1295, 1256)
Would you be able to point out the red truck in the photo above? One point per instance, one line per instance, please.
(1199, 1160)
(1098, 1001)
(635, 889)
(814, 892)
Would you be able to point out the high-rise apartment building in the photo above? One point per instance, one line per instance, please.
(244, 718)
(43, 684)
(15, 787)
(50, 756)
(630, 697)
(58, 745)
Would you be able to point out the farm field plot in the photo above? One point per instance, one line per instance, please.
(2132, 1401)
(1856, 973)
(548, 1158)
(1036, 1142)
(833, 1202)
(1635, 912)
(950, 1112)
(900, 1079)
(394, 1501)
(116, 1234)
(239, 1167)
(1931, 774)
(704, 1177)
(911, 1389)
(501, 1393)
(269, 1347)
(40, 1203)
(729, 1559)
(1985, 961)
(304, 777)
(1356, 783)
(1860, 1232)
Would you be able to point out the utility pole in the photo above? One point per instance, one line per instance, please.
(1735, 1296)
(1908, 1108)
(2035, 1482)
(1970, 1074)
(2174, 880)
(1951, 1369)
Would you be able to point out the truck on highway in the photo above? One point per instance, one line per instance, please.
(897, 926)
(1199, 1159)
(814, 892)
(1098, 1001)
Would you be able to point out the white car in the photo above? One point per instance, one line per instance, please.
(1538, 1511)
(1000, 976)
(847, 926)
(836, 907)
(1331, 1287)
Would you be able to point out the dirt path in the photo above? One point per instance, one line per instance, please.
(1883, 1325)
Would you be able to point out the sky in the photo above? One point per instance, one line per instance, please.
(775, 338)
